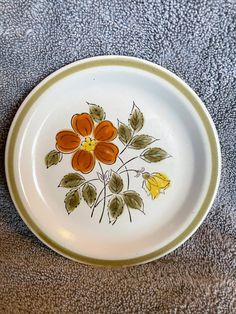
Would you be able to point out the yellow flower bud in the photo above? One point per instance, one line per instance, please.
(155, 183)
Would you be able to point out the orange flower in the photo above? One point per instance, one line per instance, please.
(88, 143)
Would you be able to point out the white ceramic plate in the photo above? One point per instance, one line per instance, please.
(153, 202)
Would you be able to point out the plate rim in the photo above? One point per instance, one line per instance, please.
(127, 61)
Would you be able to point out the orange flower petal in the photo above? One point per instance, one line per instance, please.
(106, 152)
(67, 141)
(105, 131)
(83, 161)
(82, 124)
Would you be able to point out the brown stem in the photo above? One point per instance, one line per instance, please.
(130, 218)
(95, 204)
(126, 173)
(88, 181)
(103, 199)
(128, 170)
(104, 193)
(127, 163)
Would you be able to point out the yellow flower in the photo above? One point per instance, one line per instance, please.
(154, 183)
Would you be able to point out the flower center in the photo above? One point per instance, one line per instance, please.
(88, 144)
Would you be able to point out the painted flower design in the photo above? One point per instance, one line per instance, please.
(88, 142)
(155, 183)
(110, 191)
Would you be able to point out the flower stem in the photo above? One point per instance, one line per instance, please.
(126, 146)
(128, 170)
(127, 163)
(95, 204)
(130, 218)
(104, 193)
(114, 221)
(88, 182)
(127, 173)
(109, 195)
(98, 201)
(108, 215)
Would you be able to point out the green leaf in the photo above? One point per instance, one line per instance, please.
(89, 193)
(116, 206)
(141, 141)
(136, 119)
(53, 158)
(115, 183)
(133, 200)
(96, 112)
(124, 133)
(71, 180)
(154, 154)
(71, 201)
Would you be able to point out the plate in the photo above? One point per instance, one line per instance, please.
(112, 160)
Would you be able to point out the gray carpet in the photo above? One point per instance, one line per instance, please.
(197, 41)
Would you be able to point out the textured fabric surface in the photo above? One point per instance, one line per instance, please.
(197, 41)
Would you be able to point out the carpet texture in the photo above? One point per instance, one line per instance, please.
(197, 41)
